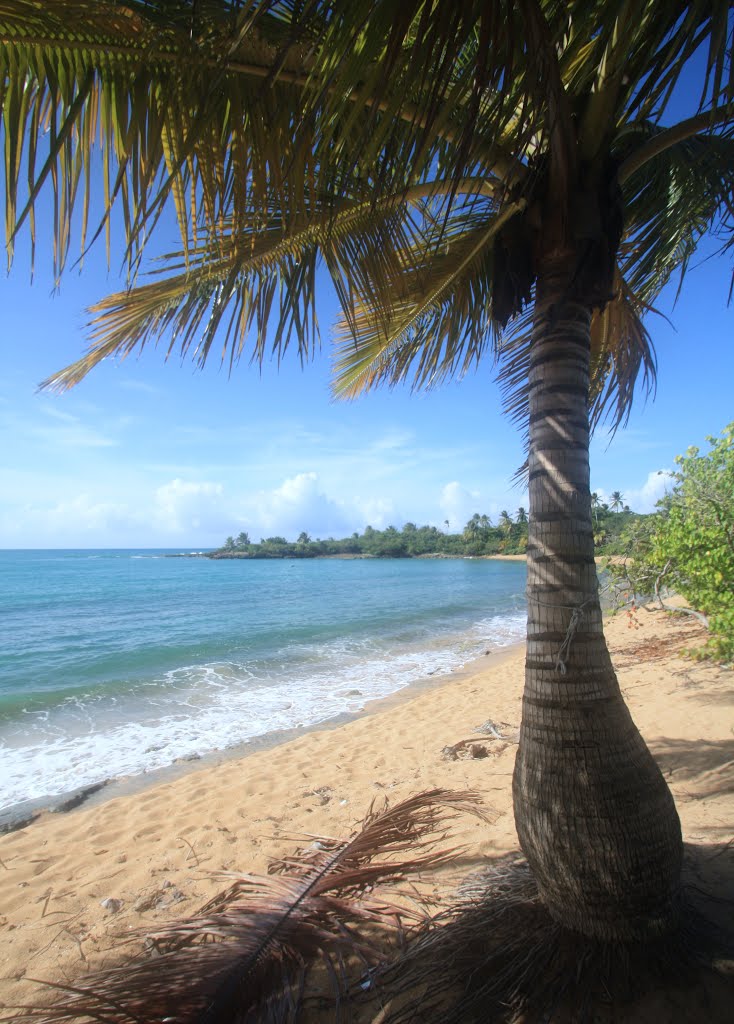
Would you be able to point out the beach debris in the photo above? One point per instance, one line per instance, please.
(493, 729)
(21, 815)
(77, 796)
(465, 749)
(165, 896)
(500, 731)
(323, 794)
(192, 852)
(112, 905)
(14, 822)
(144, 903)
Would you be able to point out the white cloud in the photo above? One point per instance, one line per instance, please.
(376, 512)
(643, 499)
(458, 504)
(297, 504)
(54, 429)
(392, 441)
(142, 386)
(74, 522)
(185, 507)
(184, 510)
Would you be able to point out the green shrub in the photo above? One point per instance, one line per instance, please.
(688, 546)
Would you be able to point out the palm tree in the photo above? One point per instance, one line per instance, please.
(472, 529)
(616, 501)
(521, 515)
(595, 505)
(505, 521)
(481, 180)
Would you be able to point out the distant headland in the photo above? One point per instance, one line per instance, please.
(480, 537)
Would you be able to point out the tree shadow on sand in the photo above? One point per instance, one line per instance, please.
(497, 956)
(705, 767)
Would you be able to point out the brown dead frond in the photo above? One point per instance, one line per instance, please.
(246, 955)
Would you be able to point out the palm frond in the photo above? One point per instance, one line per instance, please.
(169, 111)
(436, 317)
(622, 360)
(622, 356)
(670, 202)
(421, 73)
(667, 37)
(246, 954)
(244, 280)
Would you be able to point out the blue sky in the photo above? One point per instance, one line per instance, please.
(149, 453)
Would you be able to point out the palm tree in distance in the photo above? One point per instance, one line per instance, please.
(616, 501)
(481, 180)
(472, 529)
(521, 515)
(595, 505)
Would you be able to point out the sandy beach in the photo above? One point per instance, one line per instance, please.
(152, 855)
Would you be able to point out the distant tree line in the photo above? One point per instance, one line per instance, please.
(480, 536)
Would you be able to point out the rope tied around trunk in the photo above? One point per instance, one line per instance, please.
(577, 615)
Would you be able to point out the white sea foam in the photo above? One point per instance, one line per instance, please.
(201, 708)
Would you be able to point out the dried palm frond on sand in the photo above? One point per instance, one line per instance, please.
(247, 954)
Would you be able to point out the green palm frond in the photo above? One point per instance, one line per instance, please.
(671, 201)
(418, 73)
(170, 115)
(622, 360)
(285, 134)
(436, 319)
(242, 281)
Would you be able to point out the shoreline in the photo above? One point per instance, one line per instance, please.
(27, 812)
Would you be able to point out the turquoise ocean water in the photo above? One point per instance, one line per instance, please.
(114, 663)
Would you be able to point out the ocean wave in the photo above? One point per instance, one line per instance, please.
(197, 709)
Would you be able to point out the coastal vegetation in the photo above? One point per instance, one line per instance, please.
(479, 537)
(687, 547)
(510, 182)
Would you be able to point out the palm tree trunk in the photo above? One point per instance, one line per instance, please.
(595, 817)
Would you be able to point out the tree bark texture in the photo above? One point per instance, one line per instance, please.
(594, 815)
